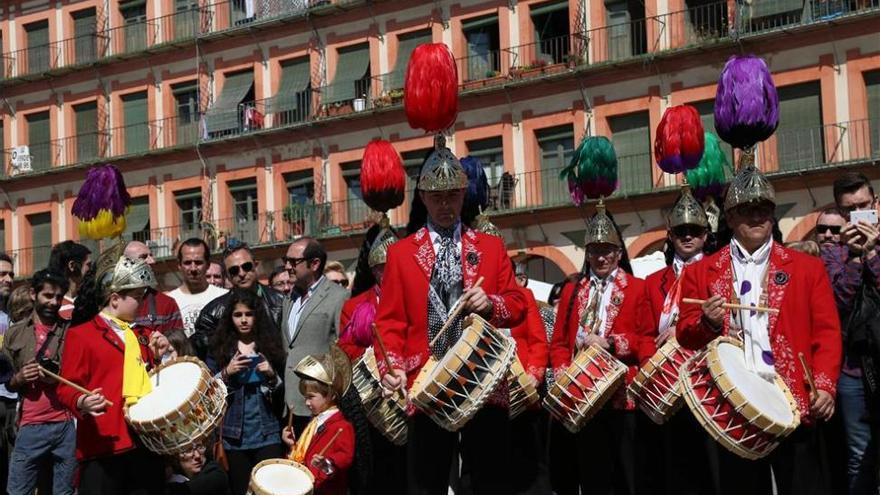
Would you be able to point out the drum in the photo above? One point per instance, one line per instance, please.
(184, 407)
(656, 386)
(522, 392)
(744, 412)
(591, 379)
(451, 390)
(386, 414)
(280, 477)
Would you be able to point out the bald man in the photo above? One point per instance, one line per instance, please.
(158, 312)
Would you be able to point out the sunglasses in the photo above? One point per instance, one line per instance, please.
(244, 267)
(342, 282)
(833, 229)
(292, 261)
(688, 231)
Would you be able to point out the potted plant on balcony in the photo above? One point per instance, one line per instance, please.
(574, 60)
(294, 216)
(516, 72)
(396, 95)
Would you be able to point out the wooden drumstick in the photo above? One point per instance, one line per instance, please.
(807, 373)
(455, 311)
(759, 309)
(292, 434)
(71, 384)
(384, 353)
(327, 446)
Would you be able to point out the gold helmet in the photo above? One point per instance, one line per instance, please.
(442, 171)
(483, 224)
(748, 186)
(116, 272)
(332, 369)
(601, 230)
(379, 250)
(687, 211)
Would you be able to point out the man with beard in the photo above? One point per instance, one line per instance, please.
(195, 292)
(72, 261)
(829, 224)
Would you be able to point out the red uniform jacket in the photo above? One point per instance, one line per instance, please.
(93, 358)
(807, 321)
(351, 348)
(340, 453)
(628, 324)
(658, 285)
(532, 347)
(403, 310)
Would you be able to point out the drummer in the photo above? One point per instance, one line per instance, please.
(682, 443)
(755, 270)
(607, 307)
(107, 355)
(424, 276)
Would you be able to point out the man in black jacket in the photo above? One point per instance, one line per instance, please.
(242, 272)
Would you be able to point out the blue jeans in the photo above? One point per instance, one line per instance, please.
(860, 446)
(34, 444)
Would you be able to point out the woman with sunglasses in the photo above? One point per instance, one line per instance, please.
(335, 272)
(192, 473)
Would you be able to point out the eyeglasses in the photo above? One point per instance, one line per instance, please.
(833, 229)
(189, 454)
(292, 261)
(688, 231)
(244, 267)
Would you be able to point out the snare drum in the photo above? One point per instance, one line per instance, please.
(522, 392)
(280, 477)
(184, 407)
(450, 391)
(656, 387)
(386, 414)
(591, 379)
(744, 412)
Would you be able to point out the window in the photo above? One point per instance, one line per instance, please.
(85, 29)
(625, 38)
(412, 166)
(246, 209)
(41, 240)
(186, 19)
(800, 140)
(556, 145)
(872, 88)
(38, 46)
(134, 15)
(292, 103)
(550, 22)
(352, 78)
(483, 45)
(186, 99)
(406, 43)
(137, 220)
(136, 131)
(38, 140)
(356, 209)
(706, 19)
(86, 135)
(224, 116)
(771, 14)
(491, 154)
(189, 207)
(706, 109)
(631, 135)
(300, 187)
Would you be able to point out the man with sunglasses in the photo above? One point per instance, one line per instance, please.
(829, 225)
(241, 268)
(755, 270)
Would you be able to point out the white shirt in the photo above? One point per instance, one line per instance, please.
(191, 304)
(435, 237)
(298, 305)
(669, 314)
(750, 272)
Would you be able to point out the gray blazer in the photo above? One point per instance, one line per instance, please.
(317, 328)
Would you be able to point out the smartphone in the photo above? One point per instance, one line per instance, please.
(867, 216)
(251, 375)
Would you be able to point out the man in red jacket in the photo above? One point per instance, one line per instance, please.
(424, 276)
(755, 270)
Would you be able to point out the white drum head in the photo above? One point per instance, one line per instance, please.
(282, 479)
(760, 393)
(172, 386)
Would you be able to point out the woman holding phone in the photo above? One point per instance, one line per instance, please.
(246, 352)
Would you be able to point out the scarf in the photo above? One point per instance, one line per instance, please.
(305, 440)
(669, 315)
(135, 380)
(593, 319)
(445, 287)
(750, 273)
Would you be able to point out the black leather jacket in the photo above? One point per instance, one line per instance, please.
(212, 313)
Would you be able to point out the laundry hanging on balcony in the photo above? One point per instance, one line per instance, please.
(351, 66)
(224, 115)
(292, 92)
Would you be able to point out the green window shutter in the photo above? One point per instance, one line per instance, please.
(246, 210)
(38, 140)
(355, 206)
(800, 138)
(482, 47)
(41, 238)
(352, 65)
(872, 87)
(548, 8)
(38, 46)
(631, 135)
(86, 135)
(136, 130)
(134, 16)
(186, 97)
(490, 152)
(557, 147)
(296, 77)
(137, 221)
(224, 114)
(85, 28)
(186, 19)
(189, 204)
(406, 43)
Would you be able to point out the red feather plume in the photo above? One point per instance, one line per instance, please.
(430, 94)
(679, 143)
(383, 178)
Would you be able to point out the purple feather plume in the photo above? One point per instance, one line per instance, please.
(103, 189)
(746, 103)
(360, 328)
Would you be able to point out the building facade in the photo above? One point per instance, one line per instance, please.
(248, 118)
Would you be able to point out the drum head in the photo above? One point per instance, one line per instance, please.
(173, 385)
(763, 395)
(282, 479)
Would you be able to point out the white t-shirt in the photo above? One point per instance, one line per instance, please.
(191, 304)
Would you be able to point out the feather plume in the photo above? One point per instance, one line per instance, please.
(477, 194)
(746, 102)
(383, 178)
(707, 179)
(430, 95)
(592, 172)
(359, 329)
(102, 203)
(679, 143)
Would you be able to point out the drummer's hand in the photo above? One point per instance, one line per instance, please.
(475, 300)
(265, 368)
(287, 436)
(594, 339)
(713, 310)
(239, 362)
(822, 405)
(159, 344)
(393, 381)
(94, 403)
(663, 337)
(28, 373)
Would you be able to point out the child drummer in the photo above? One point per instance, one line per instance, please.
(327, 445)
